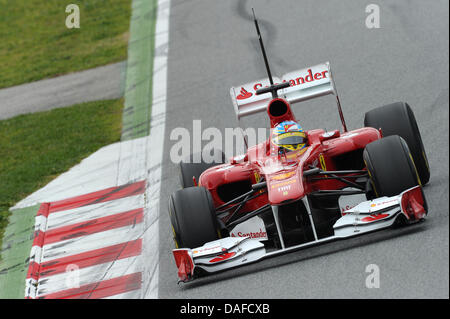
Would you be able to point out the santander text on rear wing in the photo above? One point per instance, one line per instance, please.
(305, 84)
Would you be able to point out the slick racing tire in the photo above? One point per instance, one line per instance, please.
(193, 217)
(188, 169)
(398, 119)
(390, 166)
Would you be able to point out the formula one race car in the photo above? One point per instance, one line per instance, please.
(299, 188)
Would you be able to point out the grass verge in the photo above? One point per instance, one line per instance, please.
(36, 148)
(36, 44)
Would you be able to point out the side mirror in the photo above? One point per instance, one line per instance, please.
(329, 135)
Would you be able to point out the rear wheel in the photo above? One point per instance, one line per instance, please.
(398, 119)
(193, 217)
(390, 166)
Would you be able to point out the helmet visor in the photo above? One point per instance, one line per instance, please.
(290, 138)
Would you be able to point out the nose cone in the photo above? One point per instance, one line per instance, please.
(285, 186)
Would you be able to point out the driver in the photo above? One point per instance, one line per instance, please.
(289, 136)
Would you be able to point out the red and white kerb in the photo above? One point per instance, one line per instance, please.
(89, 246)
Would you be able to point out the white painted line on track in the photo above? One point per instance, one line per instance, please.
(155, 149)
(133, 154)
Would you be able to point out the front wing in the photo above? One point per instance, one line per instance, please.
(366, 217)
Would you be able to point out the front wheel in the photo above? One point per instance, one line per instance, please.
(390, 166)
(398, 119)
(193, 218)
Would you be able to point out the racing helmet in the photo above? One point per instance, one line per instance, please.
(289, 136)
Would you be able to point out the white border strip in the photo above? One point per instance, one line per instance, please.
(155, 148)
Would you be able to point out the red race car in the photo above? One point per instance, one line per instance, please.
(299, 188)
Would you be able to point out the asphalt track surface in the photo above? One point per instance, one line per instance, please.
(101, 83)
(213, 46)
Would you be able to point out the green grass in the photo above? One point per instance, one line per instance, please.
(36, 44)
(36, 148)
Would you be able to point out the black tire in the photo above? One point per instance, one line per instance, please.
(189, 169)
(390, 166)
(193, 217)
(398, 119)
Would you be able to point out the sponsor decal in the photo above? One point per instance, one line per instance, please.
(253, 228)
(244, 94)
(257, 177)
(308, 78)
(284, 189)
(322, 162)
(289, 182)
(373, 218)
(207, 249)
(385, 202)
(297, 80)
(222, 257)
(282, 176)
(259, 234)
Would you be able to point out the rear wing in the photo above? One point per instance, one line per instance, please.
(305, 84)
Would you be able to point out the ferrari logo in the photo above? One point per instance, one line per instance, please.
(322, 162)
